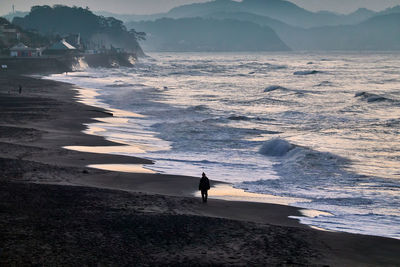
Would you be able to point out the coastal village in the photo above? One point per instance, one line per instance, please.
(68, 44)
(18, 45)
(29, 51)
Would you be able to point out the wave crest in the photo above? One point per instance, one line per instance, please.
(276, 147)
(274, 87)
(307, 72)
(369, 97)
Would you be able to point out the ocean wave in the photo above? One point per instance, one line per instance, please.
(295, 158)
(204, 134)
(344, 201)
(120, 85)
(197, 108)
(324, 83)
(307, 72)
(188, 73)
(264, 100)
(276, 147)
(239, 118)
(258, 65)
(392, 123)
(204, 161)
(277, 67)
(369, 97)
(83, 76)
(275, 87)
(293, 114)
(306, 173)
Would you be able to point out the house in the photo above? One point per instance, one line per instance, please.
(74, 40)
(7, 30)
(8, 33)
(60, 48)
(21, 50)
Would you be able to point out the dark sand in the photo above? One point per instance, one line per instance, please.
(55, 211)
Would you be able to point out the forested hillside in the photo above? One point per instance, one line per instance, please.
(61, 20)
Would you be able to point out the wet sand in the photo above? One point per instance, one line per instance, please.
(54, 210)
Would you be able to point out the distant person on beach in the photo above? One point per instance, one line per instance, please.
(204, 186)
(20, 89)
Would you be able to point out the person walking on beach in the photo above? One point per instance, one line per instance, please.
(204, 186)
(20, 89)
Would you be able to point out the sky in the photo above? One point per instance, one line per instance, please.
(156, 6)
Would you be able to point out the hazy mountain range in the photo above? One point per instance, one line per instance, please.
(264, 25)
(298, 28)
(276, 9)
(200, 34)
(381, 32)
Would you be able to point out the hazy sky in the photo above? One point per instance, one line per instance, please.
(154, 6)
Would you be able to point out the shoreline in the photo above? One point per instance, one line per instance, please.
(221, 190)
(46, 117)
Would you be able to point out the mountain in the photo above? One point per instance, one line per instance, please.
(392, 10)
(358, 16)
(130, 17)
(202, 9)
(377, 33)
(282, 10)
(62, 20)
(290, 35)
(199, 34)
(275, 24)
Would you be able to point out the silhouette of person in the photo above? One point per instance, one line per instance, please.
(20, 88)
(204, 186)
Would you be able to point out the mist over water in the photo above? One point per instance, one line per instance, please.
(319, 127)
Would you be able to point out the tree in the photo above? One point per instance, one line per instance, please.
(139, 36)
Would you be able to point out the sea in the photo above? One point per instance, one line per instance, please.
(320, 129)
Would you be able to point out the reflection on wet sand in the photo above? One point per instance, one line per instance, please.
(227, 192)
(134, 168)
(106, 149)
(119, 118)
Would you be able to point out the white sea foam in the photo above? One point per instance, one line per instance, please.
(81, 65)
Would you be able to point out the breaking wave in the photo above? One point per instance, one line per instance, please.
(276, 147)
(369, 97)
(307, 72)
(274, 87)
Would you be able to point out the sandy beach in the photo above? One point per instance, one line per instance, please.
(56, 211)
